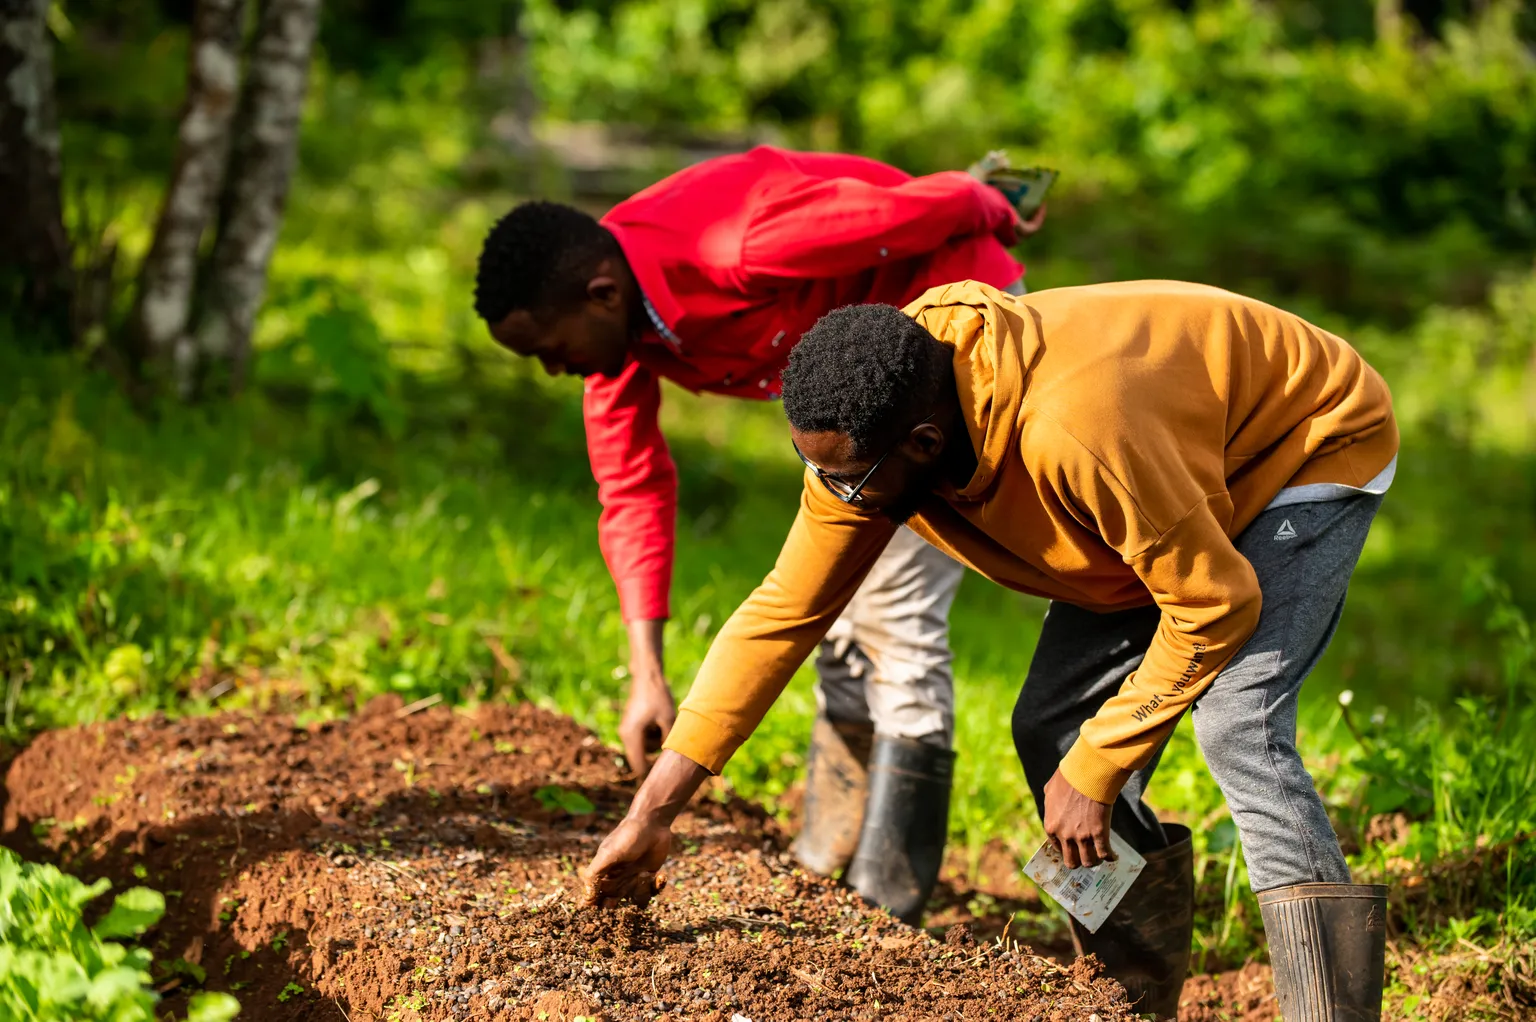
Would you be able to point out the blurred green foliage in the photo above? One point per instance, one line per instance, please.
(55, 968)
(1279, 148)
(1323, 154)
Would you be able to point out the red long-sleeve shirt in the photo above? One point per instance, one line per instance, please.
(737, 257)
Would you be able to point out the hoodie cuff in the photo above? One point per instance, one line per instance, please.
(702, 740)
(643, 599)
(1091, 774)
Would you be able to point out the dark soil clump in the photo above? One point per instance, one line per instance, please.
(425, 867)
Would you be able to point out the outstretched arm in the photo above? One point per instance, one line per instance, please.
(628, 861)
(637, 484)
(829, 550)
(833, 227)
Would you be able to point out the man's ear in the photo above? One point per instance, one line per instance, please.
(925, 443)
(606, 287)
(603, 289)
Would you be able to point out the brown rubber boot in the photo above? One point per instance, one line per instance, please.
(1328, 948)
(1145, 941)
(901, 844)
(836, 786)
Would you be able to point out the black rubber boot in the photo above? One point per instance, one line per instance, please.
(906, 821)
(836, 785)
(1328, 948)
(1145, 941)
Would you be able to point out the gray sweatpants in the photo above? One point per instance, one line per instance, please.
(1245, 721)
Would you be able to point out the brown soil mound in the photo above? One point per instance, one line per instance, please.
(423, 866)
(1242, 995)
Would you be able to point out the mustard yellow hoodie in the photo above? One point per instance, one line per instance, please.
(1125, 434)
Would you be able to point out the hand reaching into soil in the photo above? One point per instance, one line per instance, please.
(650, 711)
(628, 862)
(627, 866)
(648, 718)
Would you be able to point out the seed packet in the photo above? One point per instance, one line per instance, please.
(1088, 893)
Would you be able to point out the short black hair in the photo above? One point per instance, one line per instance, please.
(870, 372)
(537, 257)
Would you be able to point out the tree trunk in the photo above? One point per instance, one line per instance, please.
(1389, 22)
(33, 244)
(168, 277)
(264, 157)
(507, 90)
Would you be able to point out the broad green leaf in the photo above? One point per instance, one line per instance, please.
(133, 912)
(573, 802)
(57, 978)
(191, 970)
(211, 1006)
(121, 995)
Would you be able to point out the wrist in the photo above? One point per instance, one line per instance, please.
(646, 664)
(643, 675)
(1088, 773)
(671, 783)
(651, 814)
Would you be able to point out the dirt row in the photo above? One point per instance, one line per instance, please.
(404, 866)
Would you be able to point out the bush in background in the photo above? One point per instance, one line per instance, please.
(1372, 167)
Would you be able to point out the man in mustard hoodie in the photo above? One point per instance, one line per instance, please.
(1189, 476)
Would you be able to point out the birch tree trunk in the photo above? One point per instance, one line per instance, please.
(1389, 22)
(264, 156)
(33, 244)
(168, 277)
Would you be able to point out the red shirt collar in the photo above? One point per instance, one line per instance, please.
(648, 274)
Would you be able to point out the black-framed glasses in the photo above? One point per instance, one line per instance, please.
(848, 494)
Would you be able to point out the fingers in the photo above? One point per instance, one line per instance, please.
(633, 737)
(648, 719)
(606, 877)
(1034, 223)
(660, 727)
(629, 886)
(1087, 849)
(1077, 824)
(1077, 852)
(627, 866)
(613, 885)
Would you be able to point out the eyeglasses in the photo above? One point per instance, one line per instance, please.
(853, 494)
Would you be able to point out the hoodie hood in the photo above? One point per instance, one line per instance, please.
(996, 340)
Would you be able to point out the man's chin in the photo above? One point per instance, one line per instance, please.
(902, 510)
(608, 372)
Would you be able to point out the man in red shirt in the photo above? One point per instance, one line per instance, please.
(709, 278)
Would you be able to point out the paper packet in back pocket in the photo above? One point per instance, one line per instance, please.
(1089, 894)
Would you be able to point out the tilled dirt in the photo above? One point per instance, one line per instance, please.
(1242, 995)
(423, 866)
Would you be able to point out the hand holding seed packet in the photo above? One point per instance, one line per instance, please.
(1088, 893)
